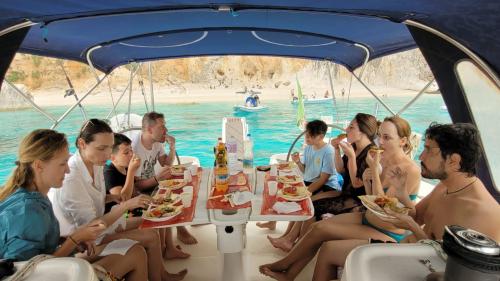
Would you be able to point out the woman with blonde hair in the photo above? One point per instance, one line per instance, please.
(338, 235)
(28, 226)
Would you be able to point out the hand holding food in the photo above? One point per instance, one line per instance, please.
(296, 157)
(336, 141)
(348, 150)
(400, 220)
(134, 164)
(89, 232)
(164, 174)
(373, 157)
(141, 201)
(170, 140)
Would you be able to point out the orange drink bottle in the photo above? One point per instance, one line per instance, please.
(221, 169)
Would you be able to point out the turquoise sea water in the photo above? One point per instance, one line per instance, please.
(196, 126)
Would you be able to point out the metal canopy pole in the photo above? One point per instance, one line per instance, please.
(71, 91)
(89, 60)
(18, 26)
(43, 112)
(150, 73)
(374, 95)
(119, 99)
(130, 91)
(367, 57)
(56, 123)
(415, 98)
(333, 93)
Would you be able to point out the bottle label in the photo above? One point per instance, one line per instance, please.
(247, 163)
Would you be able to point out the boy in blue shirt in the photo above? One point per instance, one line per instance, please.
(318, 167)
(320, 178)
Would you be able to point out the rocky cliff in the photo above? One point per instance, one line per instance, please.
(10, 99)
(406, 70)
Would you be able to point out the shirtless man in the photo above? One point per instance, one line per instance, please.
(450, 155)
(148, 146)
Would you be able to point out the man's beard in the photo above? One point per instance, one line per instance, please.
(161, 139)
(439, 175)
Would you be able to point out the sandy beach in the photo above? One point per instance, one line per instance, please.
(198, 94)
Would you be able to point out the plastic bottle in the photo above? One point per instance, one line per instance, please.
(248, 155)
(221, 170)
(232, 154)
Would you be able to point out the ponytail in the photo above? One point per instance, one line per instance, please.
(40, 144)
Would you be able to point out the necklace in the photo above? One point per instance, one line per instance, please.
(458, 190)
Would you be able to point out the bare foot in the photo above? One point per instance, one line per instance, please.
(174, 276)
(271, 225)
(280, 276)
(175, 253)
(185, 237)
(281, 243)
(275, 266)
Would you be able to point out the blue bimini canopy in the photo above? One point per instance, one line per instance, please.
(165, 34)
(69, 28)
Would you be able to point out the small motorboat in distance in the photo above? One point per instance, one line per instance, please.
(252, 104)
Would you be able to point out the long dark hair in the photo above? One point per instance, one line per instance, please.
(91, 128)
(367, 124)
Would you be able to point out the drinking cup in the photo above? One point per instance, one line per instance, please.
(187, 198)
(272, 187)
(187, 189)
(187, 176)
(193, 169)
(274, 171)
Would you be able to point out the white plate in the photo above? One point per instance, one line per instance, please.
(180, 184)
(292, 198)
(160, 219)
(367, 201)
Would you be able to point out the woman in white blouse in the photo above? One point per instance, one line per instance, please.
(83, 197)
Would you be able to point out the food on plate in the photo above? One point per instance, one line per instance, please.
(391, 203)
(385, 201)
(167, 197)
(293, 192)
(342, 136)
(172, 183)
(288, 178)
(177, 170)
(164, 210)
(376, 149)
(285, 166)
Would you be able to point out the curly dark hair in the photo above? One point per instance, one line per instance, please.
(459, 138)
(316, 128)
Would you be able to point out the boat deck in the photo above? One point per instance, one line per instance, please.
(205, 262)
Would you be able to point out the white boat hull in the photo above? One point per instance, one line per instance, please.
(313, 101)
(249, 109)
